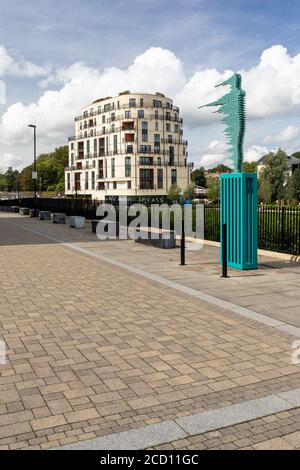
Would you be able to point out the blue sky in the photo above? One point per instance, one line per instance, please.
(202, 34)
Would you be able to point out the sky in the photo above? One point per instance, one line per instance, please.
(57, 56)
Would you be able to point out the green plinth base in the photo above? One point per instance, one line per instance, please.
(239, 213)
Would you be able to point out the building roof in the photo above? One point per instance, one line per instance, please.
(290, 161)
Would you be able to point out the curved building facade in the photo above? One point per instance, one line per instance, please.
(129, 145)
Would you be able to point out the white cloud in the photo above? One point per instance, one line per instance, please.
(272, 87)
(214, 154)
(10, 159)
(21, 67)
(253, 153)
(287, 134)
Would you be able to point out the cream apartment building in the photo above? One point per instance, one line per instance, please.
(130, 145)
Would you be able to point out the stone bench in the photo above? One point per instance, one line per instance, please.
(15, 209)
(33, 212)
(157, 237)
(77, 221)
(24, 210)
(59, 218)
(45, 215)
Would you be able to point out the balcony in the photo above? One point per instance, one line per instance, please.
(175, 141)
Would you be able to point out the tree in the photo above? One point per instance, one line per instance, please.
(8, 181)
(274, 174)
(50, 170)
(264, 191)
(221, 168)
(198, 177)
(293, 186)
(249, 167)
(190, 192)
(213, 192)
(174, 192)
(296, 154)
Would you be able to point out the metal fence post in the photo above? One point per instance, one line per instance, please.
(224, 250)
(182, 244)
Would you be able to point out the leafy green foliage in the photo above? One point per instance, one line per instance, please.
(213, 192)
(273, 174)
(190, 192)
(249, 167)
(198, 177)
(174, 192)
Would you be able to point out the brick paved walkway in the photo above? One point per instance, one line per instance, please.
(93, 349)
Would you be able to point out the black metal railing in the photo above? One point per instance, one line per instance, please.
(278, 227)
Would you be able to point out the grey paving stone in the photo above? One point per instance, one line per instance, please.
(293, 330)
(147, 436)
(292, 396)
(230, 415)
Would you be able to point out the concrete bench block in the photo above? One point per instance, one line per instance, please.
(33, 212)
(24, 210)
(44, 215)
(159, 238)
(59, 218)
(15, 209)
(77, 221)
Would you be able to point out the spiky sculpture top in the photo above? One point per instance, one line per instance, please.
(233, 106)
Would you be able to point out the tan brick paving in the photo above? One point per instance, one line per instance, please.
(94, 350)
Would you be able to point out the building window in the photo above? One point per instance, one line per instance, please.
(158, 161)
(132, 102)
(68, 181)
(86, 180)
(141, 114)
(141, 102)
(87, 148)
(127, 166)
(145, 148)
(113, 168)
(95, 147)
(129, 137)
(156, 125)
(146, 178)
(93, 180)
(107, 107)
(144, 131)
(176, 128)
(127, 114)
(156, 114)
(128, 184)
(160, 178)
(113, 128)
(114, 185)
(129, 149)
(72, 146)
(99, 109)
(171, 155)
(103, 119)
(170, 139)
(157, 104)
(72, 159)
(103, 130)
(156, 143)
(115, 143)
(168, 127)
(174, 176)
(168, 115)
(113, 116)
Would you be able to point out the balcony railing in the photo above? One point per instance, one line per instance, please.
(174, 141)
(126, 106)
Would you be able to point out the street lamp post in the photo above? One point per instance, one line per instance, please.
(34, 173)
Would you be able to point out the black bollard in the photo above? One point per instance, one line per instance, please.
(224, 251)
(182, 244)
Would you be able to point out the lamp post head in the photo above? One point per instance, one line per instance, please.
(32, 125)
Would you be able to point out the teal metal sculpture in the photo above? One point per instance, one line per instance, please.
(233, 106)
(238, 190)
